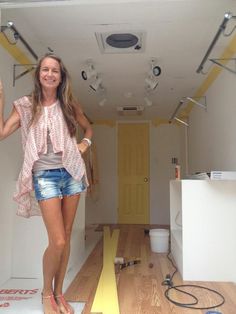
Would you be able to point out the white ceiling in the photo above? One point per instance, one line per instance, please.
(177, 34)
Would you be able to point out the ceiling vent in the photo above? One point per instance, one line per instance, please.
(130, 110)
(121, 42)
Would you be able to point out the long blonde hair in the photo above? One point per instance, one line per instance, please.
(64, 95)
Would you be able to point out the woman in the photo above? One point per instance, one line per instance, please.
(53, 167)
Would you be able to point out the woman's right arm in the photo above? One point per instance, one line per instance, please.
(12, 123)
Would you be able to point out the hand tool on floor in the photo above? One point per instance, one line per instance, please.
(124, 262)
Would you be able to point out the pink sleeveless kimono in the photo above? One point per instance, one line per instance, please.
(34, 142)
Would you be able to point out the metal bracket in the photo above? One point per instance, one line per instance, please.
(196, 102)
(176, 110)
(182, 101)
(216, 61)
(181, 121)
(221, 29)
(16, 77)
(18, 36)
(173, 117)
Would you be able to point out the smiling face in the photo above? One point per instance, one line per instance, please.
(50, 73)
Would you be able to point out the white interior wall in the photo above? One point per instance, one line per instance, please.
(164, 144)
(183, 141)
(103, 209)
(212, 132)
(10, 162)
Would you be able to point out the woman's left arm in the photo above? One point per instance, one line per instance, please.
(86, 126)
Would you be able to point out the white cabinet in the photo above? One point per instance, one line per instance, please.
(203, 229)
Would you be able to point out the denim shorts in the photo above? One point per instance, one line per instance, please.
(55, 183)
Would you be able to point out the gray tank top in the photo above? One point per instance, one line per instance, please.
(50, 160)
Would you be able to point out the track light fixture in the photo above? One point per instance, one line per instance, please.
(155, 69)
(154, 72)
(96, 84)
(89, 71)
(151, 83)
(90, 74)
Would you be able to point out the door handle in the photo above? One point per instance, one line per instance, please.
(145, 179)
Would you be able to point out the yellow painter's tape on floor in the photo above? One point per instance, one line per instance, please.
(106, 297)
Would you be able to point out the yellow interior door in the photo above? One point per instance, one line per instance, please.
(133, 173)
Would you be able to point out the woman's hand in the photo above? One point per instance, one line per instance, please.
(83, 146)
(86, 126)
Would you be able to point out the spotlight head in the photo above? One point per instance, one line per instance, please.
(9, 24)
(84, 75)
(151, 83)
(156, 70)
(90, 72)
(228, 15)
(16, 36)
(96, 84)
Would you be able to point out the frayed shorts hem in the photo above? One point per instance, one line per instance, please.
(56, 183)
(60, 196)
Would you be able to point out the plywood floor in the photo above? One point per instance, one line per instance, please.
(140, 288)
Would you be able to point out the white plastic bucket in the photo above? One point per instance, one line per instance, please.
(159, 239)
